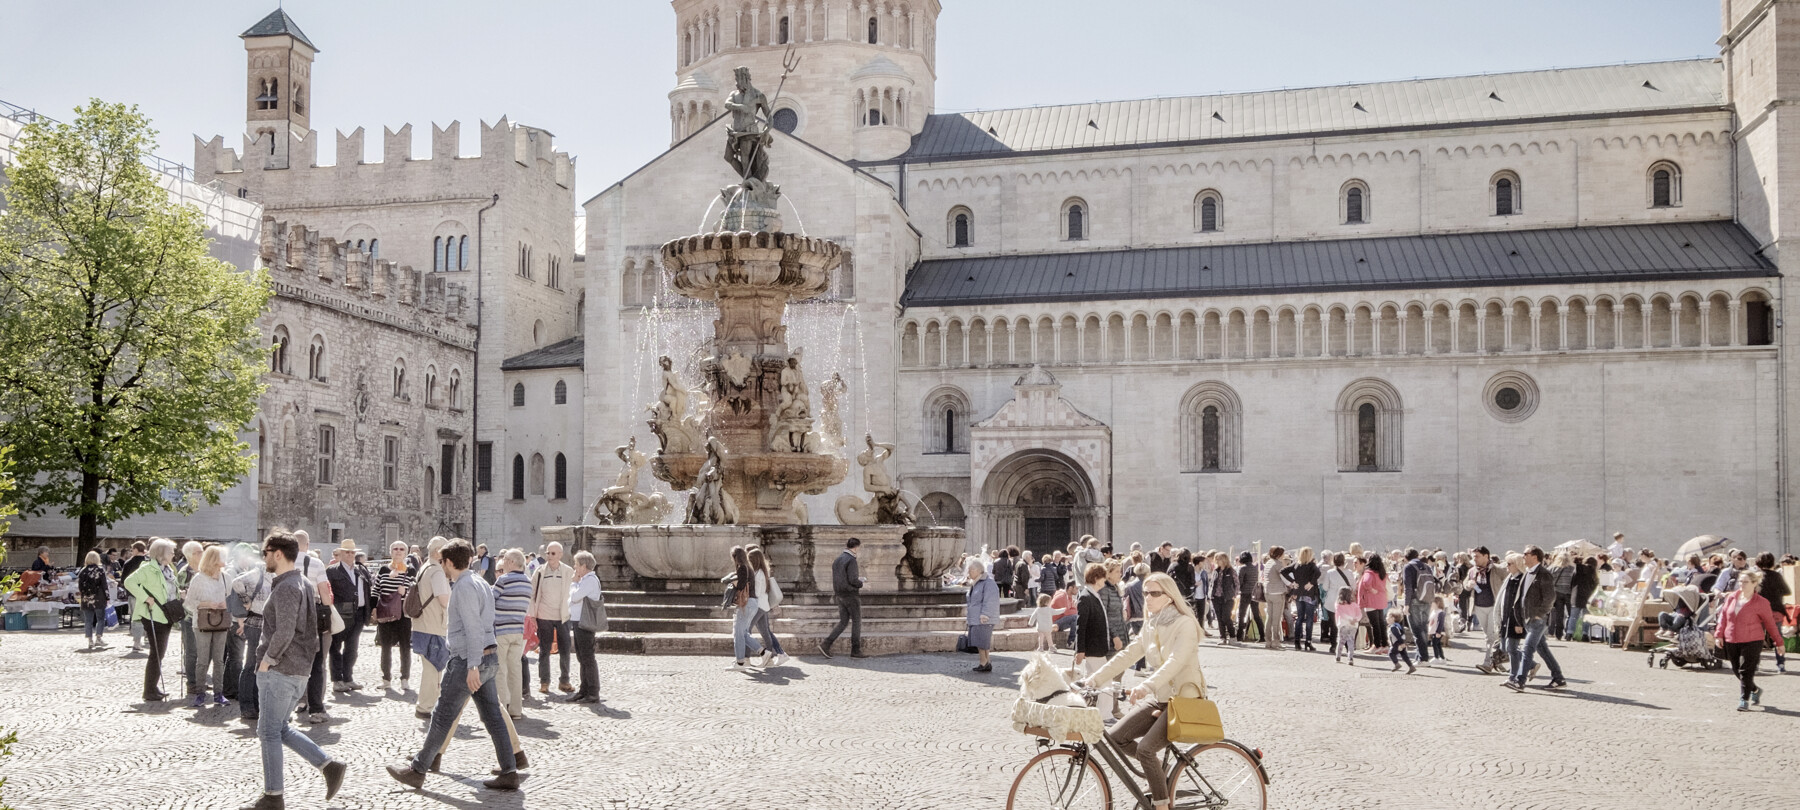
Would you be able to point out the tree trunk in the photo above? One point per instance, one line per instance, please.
(88, 535)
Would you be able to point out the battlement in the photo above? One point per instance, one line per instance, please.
(305, 265)
(523, 145)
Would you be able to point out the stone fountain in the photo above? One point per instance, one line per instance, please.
(746, 443)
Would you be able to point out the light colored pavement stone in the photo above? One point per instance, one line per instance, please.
(923, 732)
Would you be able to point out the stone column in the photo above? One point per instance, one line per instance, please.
(964, 354)
(1706, 323)
(912, 32)
(1481, 331)
(755, 25)
(1531, 340)
(1736, 326)
(1455, 328)
(1590, 324)
(1400, 333)
(893, 34)
(856, 29)
(809, 21)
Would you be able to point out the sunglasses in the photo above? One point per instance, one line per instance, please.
(1148, 594)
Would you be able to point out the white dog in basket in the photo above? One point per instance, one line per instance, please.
(1049, 707)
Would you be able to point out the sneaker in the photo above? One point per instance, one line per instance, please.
(737, 666)
(422, 714)
(354, 686)
(1743, 706)
(221, 700)
(1556, 683)
(1756, 696)
(403, 684)
(984, 668)
(1514, 685)
(859, 654)
(1397, 667)
(1352, 660)
(333, 772)
(268, 801)
(199, 701)
(1485, 669)
(340, 686)
(316, 718)
(1410, 669)
(781, 659)
(825, 649)
(386, 684)
(768, 657)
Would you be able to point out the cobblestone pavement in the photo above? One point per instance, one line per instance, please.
(923, 732)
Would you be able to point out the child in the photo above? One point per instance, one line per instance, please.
(1043, 620)
(1349, 616)
(1438, 624)
(1397, 652)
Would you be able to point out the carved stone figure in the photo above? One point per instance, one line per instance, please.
(711, 504)
(677, 432)
(734, 373)
(622, 503)
(886, 507)
(746, 140)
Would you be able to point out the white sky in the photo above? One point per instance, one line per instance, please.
(597, 72)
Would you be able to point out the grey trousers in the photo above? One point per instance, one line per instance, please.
(209, 657)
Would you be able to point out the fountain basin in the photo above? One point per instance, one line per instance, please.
(706, 265)
(764, 485)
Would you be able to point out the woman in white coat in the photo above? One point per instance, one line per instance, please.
(1170, 644)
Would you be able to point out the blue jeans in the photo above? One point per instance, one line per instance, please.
(1418, 616)
(93, 622)
(1520, 650)
(453, 694)
(1307, 613)
(742, 642)
(763, 626)
(1576, 612)
(249, 698)
(277, 695)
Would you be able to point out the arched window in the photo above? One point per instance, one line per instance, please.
(1355, 203)
(400, 379)
(374, 249)
(782, 33)
(1074, 219)
(560, 487)
(562, 393)
(315, 359)
(946, 421)
(518, 477)
(437, 254)
(961, 227)
(1507, 193)
(455, 388)
(1369, 421)
(270, 97)
(874, 117)
(1665, 185)
(537, 474)
(462, 253)
(278, 351)
(518, 395)
(873, 30)
(1211, 429)
(361, 244)
(1208, 210)
(431, 380)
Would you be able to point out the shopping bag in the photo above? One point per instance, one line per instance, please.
(112, 617)
(531, 637)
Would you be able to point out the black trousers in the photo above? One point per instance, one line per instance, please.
(343, 645)
(157, 634)
(1377, 627)
(247, 694)
(229, 685)
(315, 685)
(590, 669)
(547, 630)
(1222, 609)
(1744, 657)
(849, 615)
(1254, 609)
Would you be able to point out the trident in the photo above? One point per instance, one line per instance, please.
(789, 62)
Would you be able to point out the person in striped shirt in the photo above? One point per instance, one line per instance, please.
(512, 598)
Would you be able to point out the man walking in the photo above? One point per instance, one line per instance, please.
(313, 572)
(512, 601)
(1528, 617)
(846, 586)
(1418, 584)
(289, 644)
(353, 592)
(1485, 578)
(550, 608)
(469, 674)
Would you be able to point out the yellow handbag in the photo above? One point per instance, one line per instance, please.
(1194, 720)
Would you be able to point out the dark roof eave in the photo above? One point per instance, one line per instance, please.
(909, 157)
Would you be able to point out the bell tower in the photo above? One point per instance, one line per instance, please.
(277, 100)
(867, 76)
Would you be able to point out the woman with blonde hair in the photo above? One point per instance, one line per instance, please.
(151, 586)
(205, 594)
(92, 588)
(1306, 598)
(1170, 643)
(1745, 619)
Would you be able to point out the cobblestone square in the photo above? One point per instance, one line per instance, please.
(921, 731)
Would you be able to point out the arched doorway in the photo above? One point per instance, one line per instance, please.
(1039, 500)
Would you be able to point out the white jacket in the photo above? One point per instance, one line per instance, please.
(1170, 642)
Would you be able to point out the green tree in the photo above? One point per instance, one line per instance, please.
(129, 358)
(7, 738)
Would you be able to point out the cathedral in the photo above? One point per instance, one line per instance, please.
(1495, 309)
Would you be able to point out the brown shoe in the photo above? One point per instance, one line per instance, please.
(519, 762)
(505, 781)
(437, 761)
(405, 775)
(544, 688)
(566, 687)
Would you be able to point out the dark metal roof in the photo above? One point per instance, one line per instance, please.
(564, 354)
(278, 23)
(1676, 250)
(1634, 89)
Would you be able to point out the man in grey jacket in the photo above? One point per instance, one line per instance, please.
(846, 586)
(285, 653)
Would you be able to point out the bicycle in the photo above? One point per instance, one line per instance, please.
(1205, 776)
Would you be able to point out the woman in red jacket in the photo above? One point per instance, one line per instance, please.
(1744, 620)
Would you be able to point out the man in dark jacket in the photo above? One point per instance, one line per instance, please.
(1092, 638)
(846, 586)
(1529, 598)
(1224, 591)
(284, 661)
(1003, 570)
(353, 591)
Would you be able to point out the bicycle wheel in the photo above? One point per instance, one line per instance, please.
(1221, 776)
(1058, 779)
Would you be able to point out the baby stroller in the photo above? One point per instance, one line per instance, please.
(1693, 644)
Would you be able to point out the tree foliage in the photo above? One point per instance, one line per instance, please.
(129, 358)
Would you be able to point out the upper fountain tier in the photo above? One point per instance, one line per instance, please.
(752, 276)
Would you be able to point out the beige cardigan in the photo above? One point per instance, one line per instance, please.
(1170, 642)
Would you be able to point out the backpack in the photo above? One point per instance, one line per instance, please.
(1428, 584)
(414, 606)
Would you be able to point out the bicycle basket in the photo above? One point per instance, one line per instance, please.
(1058, 723)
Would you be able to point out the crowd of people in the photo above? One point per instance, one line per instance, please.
(1405, 605)
(268, 628)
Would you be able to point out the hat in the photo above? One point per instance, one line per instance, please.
(348, 545)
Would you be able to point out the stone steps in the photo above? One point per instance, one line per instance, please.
(805, 644)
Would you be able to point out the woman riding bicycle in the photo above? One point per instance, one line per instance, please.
(1170, 642)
